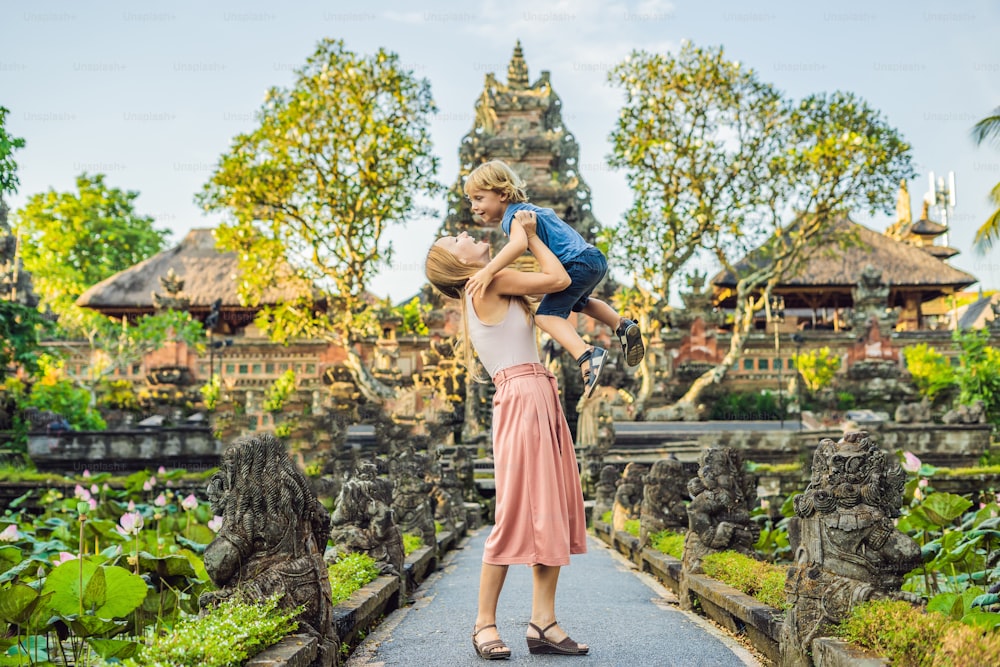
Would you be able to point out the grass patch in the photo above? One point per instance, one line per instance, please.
(962, 472)
(411, 543)
(227, 635)
(668, 542)
(349, 573)
(632, 527)
(762, 581)
(606, 517)
(912, 638)
(774, 468)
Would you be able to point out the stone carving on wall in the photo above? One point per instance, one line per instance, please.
(411, 495)
(914, 413)
(363, 519)
(628, 496)
(272, 538)
(604, 491)
(871, 300)
(446, 498)
(722, 496)
(847, 548)
(966, 414)
(663, 494)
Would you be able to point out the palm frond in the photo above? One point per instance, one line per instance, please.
(987, 128)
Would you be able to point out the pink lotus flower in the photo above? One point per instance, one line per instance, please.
(81, 493)
(161, 501)
(131, 506)
(161, 471)
(64, 556)
(216, 523)
(10, 534)
(130, 524)
(94, 490)
(190, 502)
(93, 504)
(910, 462)
(922, 483)
(148, 485)
(86, 474)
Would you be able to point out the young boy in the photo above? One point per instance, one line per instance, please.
(496, 194)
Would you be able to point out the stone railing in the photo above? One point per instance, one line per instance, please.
(123, 451)
(739, 613)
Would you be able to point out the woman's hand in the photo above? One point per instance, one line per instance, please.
(528, 220)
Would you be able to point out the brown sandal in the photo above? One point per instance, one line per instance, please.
(491, 650)
(542, 645)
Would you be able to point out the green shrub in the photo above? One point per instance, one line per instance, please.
(349, 573)
(632, 527)
(845, 401)
(225, 636)
(930, 370)
(411, 543)
(606, 517)
(668, 542)
(817, 367)
(762, 581)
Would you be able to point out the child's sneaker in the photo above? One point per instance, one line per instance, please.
(592, 370)
(631, 340)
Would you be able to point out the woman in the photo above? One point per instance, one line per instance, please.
(539, 501)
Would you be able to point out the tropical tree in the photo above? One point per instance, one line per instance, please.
(988, 129)
(839, 155)
(695, 137)
(337, 158)
(73, 240)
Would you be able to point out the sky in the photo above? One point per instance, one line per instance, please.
(151, 94)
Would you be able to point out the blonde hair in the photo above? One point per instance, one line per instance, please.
(448, 274)
(495, 175)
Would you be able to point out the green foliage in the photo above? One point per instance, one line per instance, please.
(988, 129)
(912, 638)
(762, 581)
(8, 167)
(817, 367)
(119, 345)
(117, 394)
(411, 543)
(57, 393)
(279, 391)
(669, 543)
(210, 392)
(20, 327)
(978, 372)
(929, 368)
(749, 406)
(337, 157)
(350, 573)
(412, 313)
(845, 400)
(606, 517)
(73, 240)
(632, 527)
(226, 636)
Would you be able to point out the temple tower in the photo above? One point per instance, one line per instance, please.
(522, 124)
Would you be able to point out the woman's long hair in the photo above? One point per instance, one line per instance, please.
(448, 274)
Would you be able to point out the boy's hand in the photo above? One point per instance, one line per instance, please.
(528, 221)
(478, 283)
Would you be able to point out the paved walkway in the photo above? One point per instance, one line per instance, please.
(626, 617)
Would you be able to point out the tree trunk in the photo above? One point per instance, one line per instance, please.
(741, 330)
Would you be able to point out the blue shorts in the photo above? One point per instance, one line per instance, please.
(585, 271)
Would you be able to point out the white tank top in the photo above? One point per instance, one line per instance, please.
(509, 343)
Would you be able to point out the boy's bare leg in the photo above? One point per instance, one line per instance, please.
(543, 602)
(491, 579)
(563, 332)
(602, 312)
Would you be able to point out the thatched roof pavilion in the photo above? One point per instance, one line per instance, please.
(913, 275)
(208, 274)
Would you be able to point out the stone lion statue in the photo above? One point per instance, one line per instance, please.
(272, 539)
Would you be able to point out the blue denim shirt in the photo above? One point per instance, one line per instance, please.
(564, 241)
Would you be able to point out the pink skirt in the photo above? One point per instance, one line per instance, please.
(539, 501)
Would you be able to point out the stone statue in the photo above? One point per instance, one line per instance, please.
(663, 493)
(272, 538)
(411, 495)
(914, 413)
(604, 491)
(363, 520)
(847, 548)
(628, 496)
(174, 299)
(966, 414)
(722, 496)
(446, 498)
